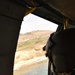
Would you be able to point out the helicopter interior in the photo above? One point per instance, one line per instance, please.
(11, 16)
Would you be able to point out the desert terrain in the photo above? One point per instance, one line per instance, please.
(29, 49)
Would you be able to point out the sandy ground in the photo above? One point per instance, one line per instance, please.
(27, 58)
(25, 68)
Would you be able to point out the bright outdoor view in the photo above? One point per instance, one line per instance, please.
(30, 58)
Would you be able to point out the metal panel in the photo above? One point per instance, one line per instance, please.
(66, 7)
(9, 32)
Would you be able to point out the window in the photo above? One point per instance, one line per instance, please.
(30, 58)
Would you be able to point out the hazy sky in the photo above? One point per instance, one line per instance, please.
(32, 23)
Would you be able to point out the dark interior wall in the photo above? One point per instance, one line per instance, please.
(9, 32)
(12, 8)
(66, 7)
(11, 16)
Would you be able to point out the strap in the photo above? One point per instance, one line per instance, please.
(65, 24)
(30, 10)
(49, 68)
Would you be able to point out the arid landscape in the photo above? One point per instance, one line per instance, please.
(29, 49)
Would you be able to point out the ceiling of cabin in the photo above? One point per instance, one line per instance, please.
(54, 10)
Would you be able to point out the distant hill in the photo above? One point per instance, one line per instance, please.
(29, 48)
(33, 40)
